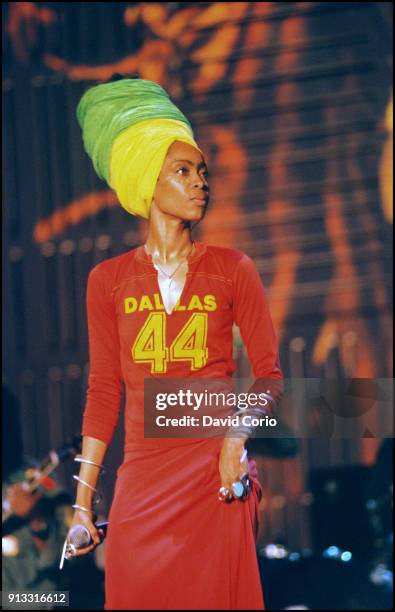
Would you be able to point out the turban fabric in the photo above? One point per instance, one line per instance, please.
(128, 127)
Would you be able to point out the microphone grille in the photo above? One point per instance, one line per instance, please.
(79, 536)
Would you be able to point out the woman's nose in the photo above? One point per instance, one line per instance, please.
(200, 182)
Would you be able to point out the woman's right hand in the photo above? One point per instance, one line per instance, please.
(86, 519)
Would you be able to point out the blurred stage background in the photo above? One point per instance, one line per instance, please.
(292, 103)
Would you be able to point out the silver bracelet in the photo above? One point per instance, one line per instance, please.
(244, 456)
(84, 483)
(247, 411)
(96, 501)
(82, 508)
(245, 430)
(80, 459)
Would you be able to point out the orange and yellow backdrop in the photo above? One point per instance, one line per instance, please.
(292, 104)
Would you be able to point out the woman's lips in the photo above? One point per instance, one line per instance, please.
(201, 201)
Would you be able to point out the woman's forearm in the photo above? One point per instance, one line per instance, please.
(93, 450)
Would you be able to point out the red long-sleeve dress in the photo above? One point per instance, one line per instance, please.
(171, 544)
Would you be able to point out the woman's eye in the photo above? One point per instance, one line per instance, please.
(185, 170)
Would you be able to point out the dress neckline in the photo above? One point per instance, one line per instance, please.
(197, 252)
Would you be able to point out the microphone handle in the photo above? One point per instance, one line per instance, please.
(102, 525)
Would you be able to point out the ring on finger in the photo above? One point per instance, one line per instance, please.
(224, 493)
(70, 551)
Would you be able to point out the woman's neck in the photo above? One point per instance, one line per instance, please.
(169, 239)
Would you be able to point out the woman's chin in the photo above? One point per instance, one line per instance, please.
(198, 214)
(195, 213)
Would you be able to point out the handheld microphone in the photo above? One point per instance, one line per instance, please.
(80, 537)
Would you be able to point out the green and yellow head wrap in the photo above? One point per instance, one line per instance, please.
(128, 127)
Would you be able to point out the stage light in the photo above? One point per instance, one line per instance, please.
(333, 552)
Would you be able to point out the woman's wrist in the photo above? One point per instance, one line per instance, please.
(236, 440)
(83, 509)
(84, 499)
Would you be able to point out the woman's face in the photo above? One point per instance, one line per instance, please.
(182, 189)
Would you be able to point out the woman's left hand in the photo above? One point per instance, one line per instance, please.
(230, 468)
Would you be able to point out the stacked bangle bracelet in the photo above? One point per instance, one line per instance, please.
(98, 500)
(80, 459)
(243, 429)
(82, 508)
